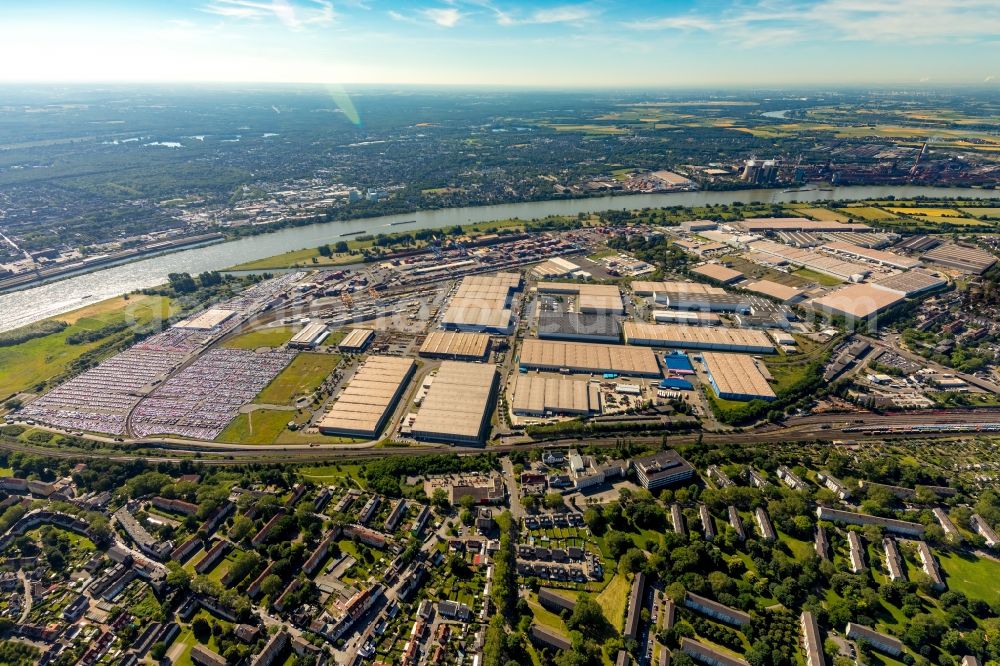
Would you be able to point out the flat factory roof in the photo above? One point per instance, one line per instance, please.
(911, 282)
(356, 338)
(457, 402)
(762, 224)
(588, 357)
(366, 401)
(536, 395)
(782, 292)
(871, 254)
(961, 257)
(482, 302)
(309, 335)
(449, 344)
(737, 375)
(696, 337)
(590, 297)
(647, 288)
(717, 272)
(857, 300)
(206, 320)
(572, 324)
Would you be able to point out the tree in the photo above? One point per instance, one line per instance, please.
(325, 251)
(529, 502)
(271, 586)
(587, 617)
(158, 651)
(341, 247)
(177, 576)
(439, 498)
(554, 501)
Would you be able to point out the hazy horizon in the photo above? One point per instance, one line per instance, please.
(598, 44)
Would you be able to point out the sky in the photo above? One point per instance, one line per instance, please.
(521, 43)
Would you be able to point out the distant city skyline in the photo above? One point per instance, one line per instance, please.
(598, 43)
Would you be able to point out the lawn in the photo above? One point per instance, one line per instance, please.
(545, 617)
(613, 600)
(265, 337)
(301, 377)
(976, 577)
(331, 473)
(817, 277)
(30, 363)
(261, 426)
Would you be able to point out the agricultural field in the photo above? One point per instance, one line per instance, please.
(302, 376)
(869, 213)
(938, 215)
(36, 361)
(824, 214)
(987, 213)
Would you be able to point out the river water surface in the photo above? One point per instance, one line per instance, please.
(24, 307)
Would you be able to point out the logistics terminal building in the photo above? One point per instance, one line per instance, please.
(736, 377)
(697, 337)
(457, 406)
(588, 358)
(369, 398)
(482, 304)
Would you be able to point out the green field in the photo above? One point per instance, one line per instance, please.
(976, 577)
(823, 214)
(817, 277)
(870, 213)
(265, 337)
(301, 377)
(261, 426)
(30, 363)
(330, 473)
(990, 213)
(613, 600)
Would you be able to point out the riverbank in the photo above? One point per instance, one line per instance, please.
(26, 306)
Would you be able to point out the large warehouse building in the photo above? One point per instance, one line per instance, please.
(588, 358)
(714, 302)
(309, 337)
(912, 282)
(590, 298)
(647, 288)
(857, 301)
(534, 395)
(206, 320)
(697, 337)
(456, 346)
(457, 406)
(365, 404)
(775, 290)
(482, 304)
(762, 225)
(880, 257)
(961, 257)
(815, 261)
(576, 326)
(736, 377)
(718, 272)
(356, 340)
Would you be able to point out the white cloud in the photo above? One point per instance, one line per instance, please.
(293, 16)
(446, 17)
(843, 20)
(548, 16)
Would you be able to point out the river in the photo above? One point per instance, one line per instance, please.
(24, 307)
